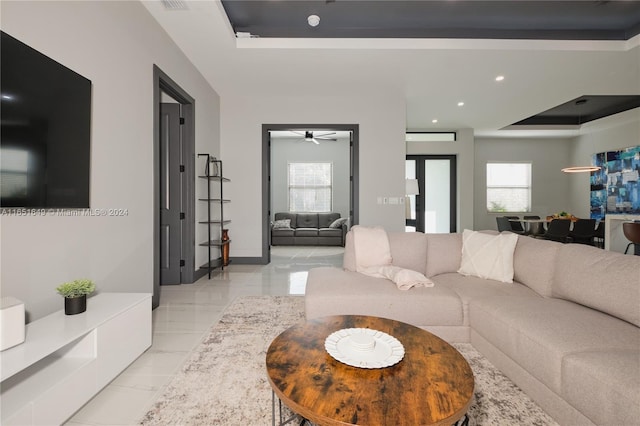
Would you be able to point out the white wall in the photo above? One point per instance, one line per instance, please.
(114, 44)
(287, 150)
(549, 186)
(381, 118)
(608, 134)
(463, 148)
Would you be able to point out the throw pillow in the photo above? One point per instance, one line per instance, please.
(282, 224)
(371, 247)
(488, 256)
(338, 222)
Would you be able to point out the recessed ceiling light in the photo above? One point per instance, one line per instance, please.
(435, 120)
(313, 20)
(500, 78)
(7, 97)
(460, 103)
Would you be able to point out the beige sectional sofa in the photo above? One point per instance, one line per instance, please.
(567, 330)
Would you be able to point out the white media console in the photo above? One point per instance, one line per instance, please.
(66, 359)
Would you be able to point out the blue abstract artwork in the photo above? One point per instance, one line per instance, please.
(615, 188)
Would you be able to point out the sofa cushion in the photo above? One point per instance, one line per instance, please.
(306, 232)
(330, 232)
(537, 332)
(408, 250)
(534, 263)
(471, 288)
(282, 232)
(604, 385)
(333, 291)
(444, 252)
(307, 220)
(286, 215)
(488, 256)
(603, 280)
(326, 219)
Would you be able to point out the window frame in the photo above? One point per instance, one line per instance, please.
(314, 187)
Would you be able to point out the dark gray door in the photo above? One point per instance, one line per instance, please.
(170, 195)
(433, 210)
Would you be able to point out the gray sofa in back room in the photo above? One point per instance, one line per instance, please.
(308, 229)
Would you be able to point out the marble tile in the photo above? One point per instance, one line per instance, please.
(155, 363)
(115, 405)
(185, 314)
(183, 317)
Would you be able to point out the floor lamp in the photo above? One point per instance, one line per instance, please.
(411, 188)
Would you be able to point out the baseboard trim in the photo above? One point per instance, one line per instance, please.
(199, 273)
(247, 261)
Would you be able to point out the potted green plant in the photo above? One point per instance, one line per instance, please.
(75, 295)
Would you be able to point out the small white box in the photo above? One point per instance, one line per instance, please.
(11, 322)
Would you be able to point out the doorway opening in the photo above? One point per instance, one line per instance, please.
(173, 184)
(311, 135)
(433, 209)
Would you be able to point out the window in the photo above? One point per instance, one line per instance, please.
(508, 187)
(310, 187)
(14, 173)
(430, 136)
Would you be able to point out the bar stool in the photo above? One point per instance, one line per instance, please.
(631, 230)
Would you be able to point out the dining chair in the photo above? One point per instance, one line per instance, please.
(503, 223)
(583, 231)
(631, 231)
(598, 236)
(516, 226)
(536, 229)
(558, 230)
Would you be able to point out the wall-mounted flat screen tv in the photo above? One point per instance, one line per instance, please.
(45, 134)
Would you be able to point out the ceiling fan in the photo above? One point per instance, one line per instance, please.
(315, 137)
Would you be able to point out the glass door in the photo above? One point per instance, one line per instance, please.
(433, 208)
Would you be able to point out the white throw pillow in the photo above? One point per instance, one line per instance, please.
(371, 247)
(338, 222)
(282, 224)
(488, 256)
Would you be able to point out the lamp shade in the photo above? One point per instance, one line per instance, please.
(411, 187)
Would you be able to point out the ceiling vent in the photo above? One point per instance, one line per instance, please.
(174, 5)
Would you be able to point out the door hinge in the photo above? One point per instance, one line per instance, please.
(181, 120)
(181, 168)
(182, 263)
(182, 216)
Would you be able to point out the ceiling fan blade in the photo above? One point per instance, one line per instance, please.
(315, 141)
(327, 139)
(323, 135)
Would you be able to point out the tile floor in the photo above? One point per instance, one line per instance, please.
(185, 313)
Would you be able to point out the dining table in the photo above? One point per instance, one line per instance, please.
(533, 226)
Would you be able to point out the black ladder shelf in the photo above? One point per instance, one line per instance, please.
(215, 242)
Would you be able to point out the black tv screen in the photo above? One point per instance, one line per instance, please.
(45, 134)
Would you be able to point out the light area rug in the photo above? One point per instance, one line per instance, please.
(223, 382)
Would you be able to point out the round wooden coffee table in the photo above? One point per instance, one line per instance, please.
(432, 385)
